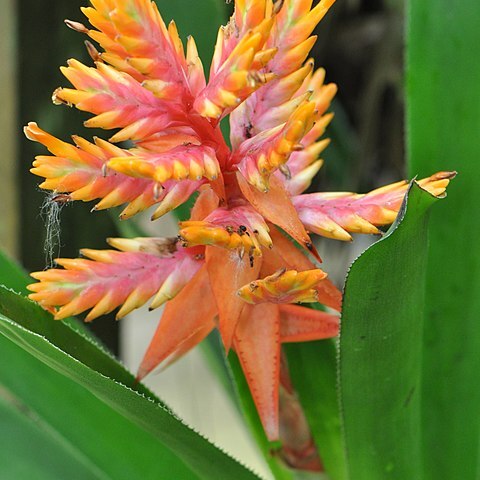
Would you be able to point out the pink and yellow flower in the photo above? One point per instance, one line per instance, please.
(233, 266)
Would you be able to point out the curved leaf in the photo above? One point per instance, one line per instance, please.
(12, 275)
(47, 458)
(381, 349)
(78, 358)
(443, 133)
(53, 409)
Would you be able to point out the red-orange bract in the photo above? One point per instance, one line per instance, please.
(232, 266)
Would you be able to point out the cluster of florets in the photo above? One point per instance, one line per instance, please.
(234, 265)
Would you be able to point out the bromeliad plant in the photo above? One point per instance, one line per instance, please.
(234, 265)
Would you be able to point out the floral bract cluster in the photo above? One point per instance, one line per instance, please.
(233, 266)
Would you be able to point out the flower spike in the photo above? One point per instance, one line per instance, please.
(237, 78)
(284, 287)
(106, 279)
(116, 99)
(192, 162)
(258, 337)
(334, 215)
(187, 320)
(269, 151)
(227, 273)
(81, 171)
(137, 42)
(300, 324)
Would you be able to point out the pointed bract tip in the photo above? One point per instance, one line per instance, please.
(76, 26)
(445, 175)
(312, 249)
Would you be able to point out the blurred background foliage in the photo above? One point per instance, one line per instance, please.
(360, 45)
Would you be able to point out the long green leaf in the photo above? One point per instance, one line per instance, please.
(75, 426)
(79, 359)
(12, 275)
(312, 366)
(381, 349)
(27, 451)
(443, 120)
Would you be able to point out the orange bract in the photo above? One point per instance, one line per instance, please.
(230, 267)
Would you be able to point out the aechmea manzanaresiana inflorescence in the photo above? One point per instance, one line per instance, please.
(233, 265)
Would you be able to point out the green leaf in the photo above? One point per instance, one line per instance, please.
(12, 275)
(28, 449)
(77, 427)
(313, 371)
(279, 471)
(76, 357)
(381, 349)
(443, 121)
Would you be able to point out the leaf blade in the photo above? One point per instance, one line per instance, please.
(443, 132)
(47, 458)
(381, 347)
(59, 405)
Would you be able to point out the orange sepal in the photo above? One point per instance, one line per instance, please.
(276, 206)
(207, 201)
(257, 344)
(300, 324)
(187, 320)
(228, 272)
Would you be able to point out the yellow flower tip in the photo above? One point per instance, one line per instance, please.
(160, 299)
(327, 3)
(210, 109)
(194, 233)
(34, 287)
(36, 296)
(161, 247)
(263, 57)
(284, 286)
(38, 275)
(163, 209)
(437, 183)
(69, 96)
(134, 300)
(260, 182)
(333, 231)
(157, 87)
(32, 131)
(132, 166)
(124, 244)
(76, 26)
(61, 314)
